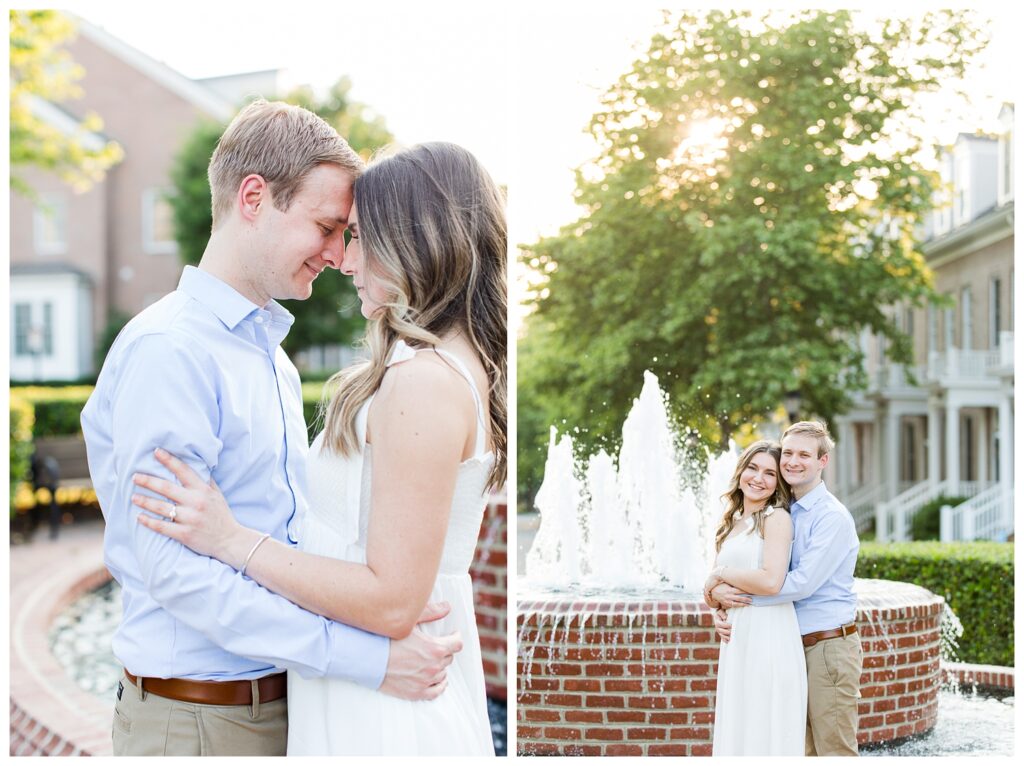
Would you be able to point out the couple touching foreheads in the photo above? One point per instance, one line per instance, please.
(243, 552)
(790, 659)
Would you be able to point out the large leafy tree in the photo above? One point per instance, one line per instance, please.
(752, 210)
(43, 74)
(331, 315)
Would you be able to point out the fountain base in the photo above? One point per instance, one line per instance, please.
(607, 673)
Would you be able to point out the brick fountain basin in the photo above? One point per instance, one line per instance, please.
(618, 673)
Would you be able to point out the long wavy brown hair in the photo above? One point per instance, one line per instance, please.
(733, 496)
(433, 230)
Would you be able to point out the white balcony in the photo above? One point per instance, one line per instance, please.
(889, 377)
(970, 366)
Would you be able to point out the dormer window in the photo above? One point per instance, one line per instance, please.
(1006, 155)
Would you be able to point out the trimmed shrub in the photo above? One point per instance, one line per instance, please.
(57, 410)
(926, 522)
(975, 578)
(21, 444)
(312, 394)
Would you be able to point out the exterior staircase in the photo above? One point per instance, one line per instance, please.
(893, 517)
(986, 516)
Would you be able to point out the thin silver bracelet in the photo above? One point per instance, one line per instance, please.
(252, 551)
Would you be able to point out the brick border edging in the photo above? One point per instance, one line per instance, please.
(991, 676)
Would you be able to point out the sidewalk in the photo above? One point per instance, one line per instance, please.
(50, 714)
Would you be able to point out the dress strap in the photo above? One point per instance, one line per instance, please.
(403, 352)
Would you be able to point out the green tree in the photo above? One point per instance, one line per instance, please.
(331, 315)
(43, 74)
(753, 208)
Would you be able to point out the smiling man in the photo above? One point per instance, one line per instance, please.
(820, 583)
(202, 374)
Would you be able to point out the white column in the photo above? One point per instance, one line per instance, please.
(891, 452)
(1006, 458)
(844, 476)
(952, 445)
(934, 441)
(984, 436)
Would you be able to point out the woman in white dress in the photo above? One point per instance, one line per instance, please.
(414, 438)
(761, 702)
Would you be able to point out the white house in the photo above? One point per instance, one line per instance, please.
(944, 427)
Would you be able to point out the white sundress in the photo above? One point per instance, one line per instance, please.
(761, 702)
(329, 716)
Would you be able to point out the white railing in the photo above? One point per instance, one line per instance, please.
(983, 517)
(889, 376)
(861, 504)
(893, 518)
(1006, 350)
(966, 365)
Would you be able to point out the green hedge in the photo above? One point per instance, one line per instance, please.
(975, 578)
(21, 443)
(57, 410)
(311, 396)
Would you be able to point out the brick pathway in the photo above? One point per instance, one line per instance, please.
(50, 714)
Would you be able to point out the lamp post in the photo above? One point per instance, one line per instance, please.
(34, 341)
(792, 402)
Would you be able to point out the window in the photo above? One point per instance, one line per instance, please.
(967, 446)
(909, 452)
(22, 321)
(50, 224)
(966, 325)
(961, 188)
(995, 287)
(1005, 155)
(32, 339)
(157, 223)
(949, 329)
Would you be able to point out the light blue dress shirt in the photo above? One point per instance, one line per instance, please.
(820, 578)
(201, 373)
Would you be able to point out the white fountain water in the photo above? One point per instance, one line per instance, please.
(641, 525)
(614, 576)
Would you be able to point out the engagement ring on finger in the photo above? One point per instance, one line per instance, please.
(173, 513)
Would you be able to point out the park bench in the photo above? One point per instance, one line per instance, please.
(59, 461)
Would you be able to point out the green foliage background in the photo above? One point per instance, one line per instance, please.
(743, 267)
(976, 579)
(41, 68)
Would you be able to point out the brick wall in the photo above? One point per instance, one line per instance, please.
(900, 679)
(638, 678)
(490, 587)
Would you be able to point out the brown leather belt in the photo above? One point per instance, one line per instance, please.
(214, 692)
(812, 638)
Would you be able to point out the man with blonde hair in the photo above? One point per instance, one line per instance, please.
(820, 583)
(201, 373)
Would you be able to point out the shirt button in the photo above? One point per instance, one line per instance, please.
(259, 320)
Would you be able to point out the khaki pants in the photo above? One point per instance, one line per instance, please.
(833, 688)
(145, 724)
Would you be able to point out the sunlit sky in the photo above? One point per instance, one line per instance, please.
(514, 83)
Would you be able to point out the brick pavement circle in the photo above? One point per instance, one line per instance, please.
(50, 713)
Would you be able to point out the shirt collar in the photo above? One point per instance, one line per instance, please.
(226, 303)
(808, 501)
